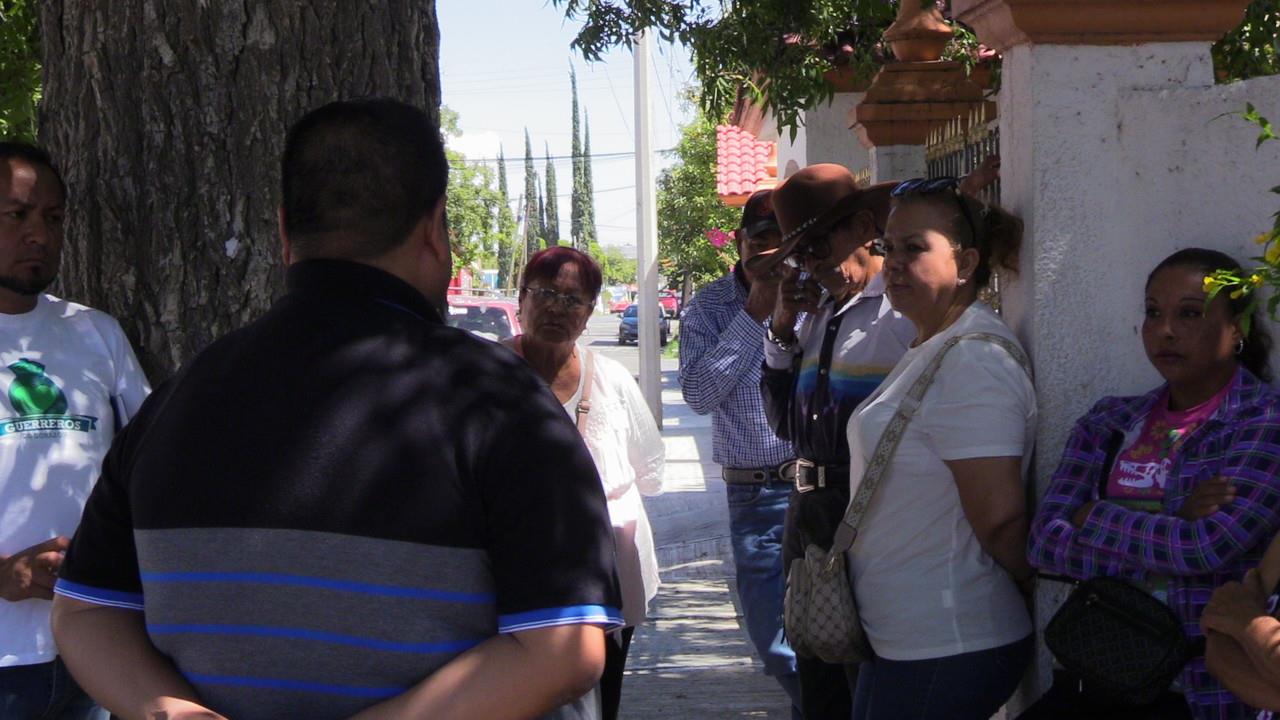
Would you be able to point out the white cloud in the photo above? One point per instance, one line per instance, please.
(477, 146)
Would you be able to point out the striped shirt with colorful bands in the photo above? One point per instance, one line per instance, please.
(841, 356)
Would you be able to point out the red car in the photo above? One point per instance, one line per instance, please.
(669, 302)
(619, 306)
(489, 318)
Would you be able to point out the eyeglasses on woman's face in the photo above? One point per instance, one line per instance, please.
(548, 296)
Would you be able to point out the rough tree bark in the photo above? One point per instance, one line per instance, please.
(167, 118)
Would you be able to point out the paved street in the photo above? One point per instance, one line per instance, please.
(692, 659)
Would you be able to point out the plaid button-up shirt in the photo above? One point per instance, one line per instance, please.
(1241, 441)
(721, 353)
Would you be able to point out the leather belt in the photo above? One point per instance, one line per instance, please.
(808, 475)
(754, 476)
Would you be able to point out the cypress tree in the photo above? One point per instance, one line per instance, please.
(506, 226)
(542, 221)
(588, 187)
(532, 217)
(551, 232)
(576, 198)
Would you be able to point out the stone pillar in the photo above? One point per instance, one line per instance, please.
(1068, 65)
(907, 101)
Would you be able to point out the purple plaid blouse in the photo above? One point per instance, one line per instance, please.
(1241, 441)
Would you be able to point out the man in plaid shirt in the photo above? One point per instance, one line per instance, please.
(721, 355)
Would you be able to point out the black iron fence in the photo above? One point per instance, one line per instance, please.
(863, 177)
(957, 149)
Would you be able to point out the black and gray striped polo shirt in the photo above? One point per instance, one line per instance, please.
(327, 505)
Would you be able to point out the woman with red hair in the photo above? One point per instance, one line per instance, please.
(559, 289)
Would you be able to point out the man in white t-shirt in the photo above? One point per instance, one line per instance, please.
(68, 381)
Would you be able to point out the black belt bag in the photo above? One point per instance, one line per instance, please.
(1125, 645)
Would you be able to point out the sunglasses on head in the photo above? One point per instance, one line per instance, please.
(933, 186)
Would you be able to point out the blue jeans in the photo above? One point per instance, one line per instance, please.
(970, 686)
(756, 515)
(44, 692)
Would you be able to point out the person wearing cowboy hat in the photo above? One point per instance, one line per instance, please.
(831, 339)
(816, 373)
(721, 356)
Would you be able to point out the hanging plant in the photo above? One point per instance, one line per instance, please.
(1239, 283)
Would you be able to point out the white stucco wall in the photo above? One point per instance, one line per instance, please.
(825, 137)
(897, 162)
(829, 137)
(792, 153)
(1111, 156)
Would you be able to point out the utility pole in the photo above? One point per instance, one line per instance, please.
(646, 238)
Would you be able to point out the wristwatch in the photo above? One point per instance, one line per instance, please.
(783, 345)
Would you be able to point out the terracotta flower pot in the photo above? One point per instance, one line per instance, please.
(846, 79)
(919, 34)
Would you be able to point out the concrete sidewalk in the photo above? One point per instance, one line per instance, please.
(692, 658)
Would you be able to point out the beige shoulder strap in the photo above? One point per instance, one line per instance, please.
(584, 402)
(847, 531)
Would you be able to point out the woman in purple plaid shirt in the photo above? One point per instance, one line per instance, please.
(1177, 490)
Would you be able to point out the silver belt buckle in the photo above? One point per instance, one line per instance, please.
(797, 476)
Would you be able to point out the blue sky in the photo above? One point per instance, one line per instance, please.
(504, 65)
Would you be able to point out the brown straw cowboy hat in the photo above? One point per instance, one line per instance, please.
(812, 201)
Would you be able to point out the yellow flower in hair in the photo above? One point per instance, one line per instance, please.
(1272, 256)
(1255, 280)
(1262, 239)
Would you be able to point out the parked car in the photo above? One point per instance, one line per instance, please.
(490, 318)
(670, 303)
(629, 327)
(617, 307)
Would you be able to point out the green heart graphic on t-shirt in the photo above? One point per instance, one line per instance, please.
(32, 393)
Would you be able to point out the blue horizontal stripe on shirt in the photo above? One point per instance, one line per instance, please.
(842, 386)
(321, 583)
(431, 648)
(101, 596)
(548, 617)
(300, 685)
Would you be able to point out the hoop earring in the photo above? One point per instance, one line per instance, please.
(1240, 346)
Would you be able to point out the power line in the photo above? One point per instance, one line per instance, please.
(594, 157)
(653, 62)
(594, 192)
(617, 102)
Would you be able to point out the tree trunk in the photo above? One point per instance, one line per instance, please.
(167, 118)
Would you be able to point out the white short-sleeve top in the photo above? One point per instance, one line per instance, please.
(925, 587)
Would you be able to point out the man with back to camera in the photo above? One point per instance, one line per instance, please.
(68, 382)
(346, 508)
